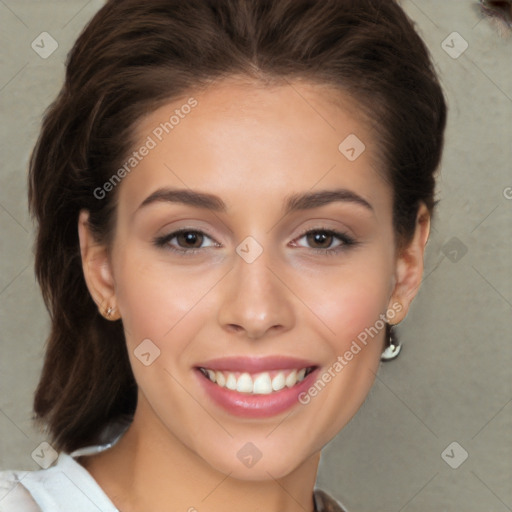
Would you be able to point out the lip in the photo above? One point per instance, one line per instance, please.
(247, 405)
(256, 364)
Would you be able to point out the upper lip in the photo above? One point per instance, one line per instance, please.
(256, 364)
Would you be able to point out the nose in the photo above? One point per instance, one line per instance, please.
(256, 301)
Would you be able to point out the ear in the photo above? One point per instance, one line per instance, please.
(97, 269)
(409, 266)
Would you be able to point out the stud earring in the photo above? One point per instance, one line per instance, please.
(393, 348)
(108, 313)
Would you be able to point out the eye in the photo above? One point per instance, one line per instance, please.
(187, 241)
(190, 241)
(322, 240)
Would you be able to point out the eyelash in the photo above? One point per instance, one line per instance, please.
(348, 241)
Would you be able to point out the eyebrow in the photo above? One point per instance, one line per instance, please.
(292, 203)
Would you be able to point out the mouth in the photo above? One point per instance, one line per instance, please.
(261, 383)
(251, 387)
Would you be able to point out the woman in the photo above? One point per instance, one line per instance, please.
(233, 200)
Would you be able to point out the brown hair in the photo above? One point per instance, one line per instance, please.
(135, 56)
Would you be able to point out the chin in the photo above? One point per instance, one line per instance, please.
(252, 464)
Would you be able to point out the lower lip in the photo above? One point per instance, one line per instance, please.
(255, 406)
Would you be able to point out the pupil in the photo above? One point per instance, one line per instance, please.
(320, 238)
(191, 238)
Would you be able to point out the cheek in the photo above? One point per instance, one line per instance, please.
(355, 310)
(350, 303)
(160, 307)
(156, 300)
(350, 299)
(355, 344)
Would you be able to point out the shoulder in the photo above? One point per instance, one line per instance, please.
(62, 487)
(326, 503)
(14, 497)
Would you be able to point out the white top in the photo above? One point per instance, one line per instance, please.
(64, 487)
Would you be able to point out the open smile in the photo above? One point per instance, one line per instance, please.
(262, 383)
(256, 387)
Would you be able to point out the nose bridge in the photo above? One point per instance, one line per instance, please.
(255, 300)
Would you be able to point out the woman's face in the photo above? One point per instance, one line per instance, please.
(257, 290)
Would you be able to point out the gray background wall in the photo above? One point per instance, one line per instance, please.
(452, 382)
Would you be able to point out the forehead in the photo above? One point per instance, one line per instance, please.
(255, 143)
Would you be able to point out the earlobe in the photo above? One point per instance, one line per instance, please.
(409, 265)
(97, 269)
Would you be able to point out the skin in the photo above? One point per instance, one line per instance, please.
(251, 146)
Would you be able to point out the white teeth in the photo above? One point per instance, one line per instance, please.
(244, 384)
(262, 384)
(258, 384)
(231, 382)
(291, 379)
(278, 382)
(219, 379)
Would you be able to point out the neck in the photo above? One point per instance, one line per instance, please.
(149, 469)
